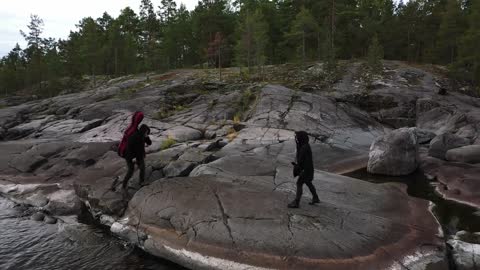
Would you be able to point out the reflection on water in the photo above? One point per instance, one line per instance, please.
(28, 244)
(452, 215)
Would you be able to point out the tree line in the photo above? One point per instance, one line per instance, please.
(248, 33)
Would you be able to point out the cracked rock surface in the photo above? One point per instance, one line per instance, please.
(218, 174)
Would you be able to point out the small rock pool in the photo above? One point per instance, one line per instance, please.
(452, 216)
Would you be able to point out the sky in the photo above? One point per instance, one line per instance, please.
(59, 16)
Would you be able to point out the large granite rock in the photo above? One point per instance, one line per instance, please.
(243, 224)
(424, 105)
(182, 134)
(338, 124)
(465, 250)
(394, 153)
(465, 154)
(178, 168)
(424, 136)
(230, 213)
(457, 181)
(444, 142)
(47, 197)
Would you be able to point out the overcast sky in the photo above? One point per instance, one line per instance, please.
(59, 16)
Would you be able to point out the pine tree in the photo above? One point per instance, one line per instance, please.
(450, 32)
(215, 51)
(468, 63)
(149, 31)
(303, 27)
(375, 56)
(53, 67)
(34, 52)
(167, 10)
(253, 40)
(33, 37)
(90, 46)
(177, 41)
(208, 19)
(12, 71)
(260, 36)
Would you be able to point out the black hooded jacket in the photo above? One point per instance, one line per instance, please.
(136, 145)
(304, 164)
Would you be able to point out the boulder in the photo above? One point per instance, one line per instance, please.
(195, 156)
(466, 154)
(26, 163)
(465, 253)
(394, 153)
(444, 142)
(424, 136)
(87, 154)
(178, 168)
(424, 105)
(241, 224)
(183, 134)
(98, 196)
(163, 158)
(457, 181)
(157, 174)
(468, 132)
(39, 216)
(64, 202)
(50, 220)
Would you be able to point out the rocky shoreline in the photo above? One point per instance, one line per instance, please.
(219, 173)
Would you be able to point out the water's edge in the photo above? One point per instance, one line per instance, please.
(452, 217)
(72, 243)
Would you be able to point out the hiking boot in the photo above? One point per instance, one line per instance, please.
(314, 201)
(293, 204)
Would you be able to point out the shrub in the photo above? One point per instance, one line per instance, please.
(232, 134)
(236, 118)
(169, 142)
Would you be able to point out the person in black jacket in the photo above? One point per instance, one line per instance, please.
(303, 168)
(136, 150)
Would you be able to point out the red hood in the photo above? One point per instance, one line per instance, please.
(137, 119)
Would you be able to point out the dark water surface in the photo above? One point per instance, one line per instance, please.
(27, 244)
(452, 216)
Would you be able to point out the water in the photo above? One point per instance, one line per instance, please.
(27, 244)
(452, 216)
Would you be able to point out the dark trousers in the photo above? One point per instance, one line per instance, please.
(310, 186)
(131, 168)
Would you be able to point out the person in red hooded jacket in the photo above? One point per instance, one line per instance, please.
(132, 147)
(136, 150)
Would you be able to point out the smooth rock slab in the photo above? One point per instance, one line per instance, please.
(444, 142)
(394, 153)
(178, 168)
(209, 222)
(50, 220)
(466, 154)
(424, 136)
(458, 181)
(39, 216)
(183, 134)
